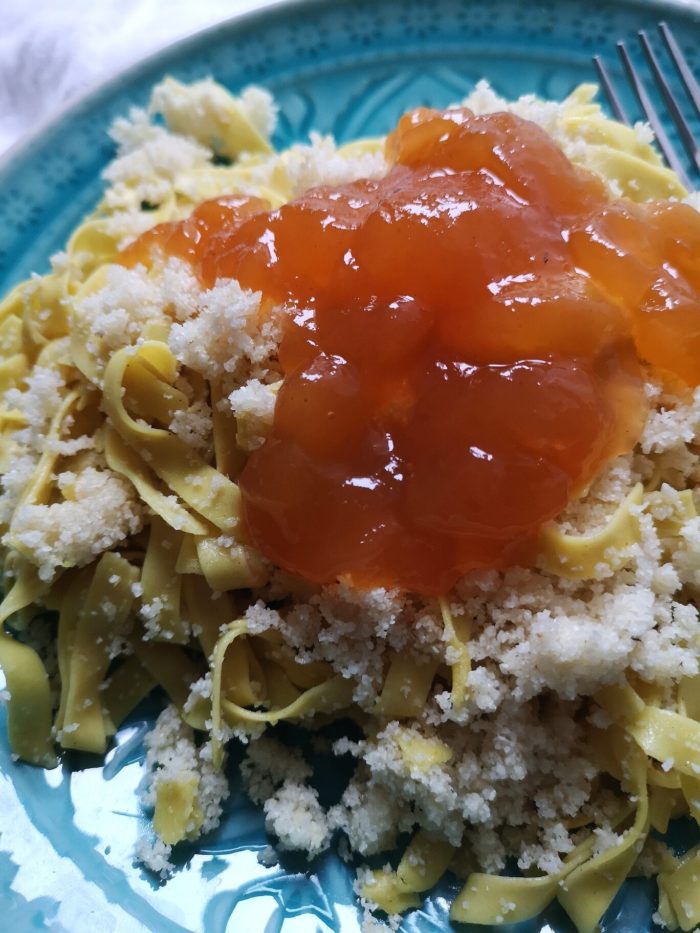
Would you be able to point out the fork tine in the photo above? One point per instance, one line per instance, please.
(609, 91)
(653, 118)
(683, 128)
(679, 60)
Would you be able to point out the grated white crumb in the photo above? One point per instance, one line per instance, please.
(149, 159)
(370, 816)
(194, 426)
(320, 163)
(227, 330)
(253, 405)
(102, 511)
(266, 765)
(155, 854)
(294, 815)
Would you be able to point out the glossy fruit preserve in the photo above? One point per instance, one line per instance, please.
(463, 349)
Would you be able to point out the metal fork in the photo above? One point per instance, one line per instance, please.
(690, 86)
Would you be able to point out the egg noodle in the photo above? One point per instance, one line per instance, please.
(177, 549)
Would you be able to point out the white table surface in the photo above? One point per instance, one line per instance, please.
(52, 50)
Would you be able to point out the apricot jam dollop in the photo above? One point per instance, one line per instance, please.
(463, 349)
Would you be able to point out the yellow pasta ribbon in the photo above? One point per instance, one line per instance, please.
(243, 680)
(272, 646)
(38, 488)
(177, 813)
(230, 566)
(124, 690)
(13, 370)
(148, 397)
(483, 898)
(406, 687)
(329, 696)
(171, 667)
(681, 892)
(104, 614)
(585, 886)
(457, 632)
(161, 585)
(229, 459)
(663, 735)
(207, 613)
(122, 459)
(615, 151)
(29, 715)
(590, 888)
(421, 754)
(424, 862)
(577, 557)
(213, 496)
(689, 696)
(690, 787)
(45, 315)
(215, 117)
(92, 245)
(69, 609)
(663, 802)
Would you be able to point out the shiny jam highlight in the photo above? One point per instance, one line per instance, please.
(462, 348)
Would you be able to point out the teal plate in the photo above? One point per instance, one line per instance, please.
(350, 68)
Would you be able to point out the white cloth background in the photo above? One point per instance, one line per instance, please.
(51, 50)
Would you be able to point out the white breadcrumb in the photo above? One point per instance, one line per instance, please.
(260, 107)
(200, 689)
(673, 425)
(227, 330)
(36, 404)
(68, 448)
(266, 765)
(119, 311)
(149, 159)
(254, 406)
(154, 854)
(370, 817)
(320, 163)
(194, 426)
(150, 614)
(102, 511)
(297, 819)
(132, 298)
(180, 291)
(268, 857)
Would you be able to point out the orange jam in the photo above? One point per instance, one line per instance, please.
(462, 347)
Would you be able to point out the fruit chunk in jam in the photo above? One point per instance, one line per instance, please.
(461, 352)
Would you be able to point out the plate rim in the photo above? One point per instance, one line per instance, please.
(84, 99)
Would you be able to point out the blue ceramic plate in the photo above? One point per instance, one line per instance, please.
(350, 68)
